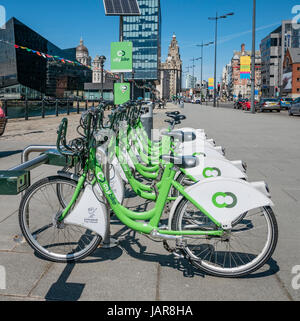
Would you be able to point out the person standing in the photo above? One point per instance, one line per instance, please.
(2, 113)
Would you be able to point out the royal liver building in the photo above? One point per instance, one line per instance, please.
(171, 72)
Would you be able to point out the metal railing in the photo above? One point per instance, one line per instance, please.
(42, 108)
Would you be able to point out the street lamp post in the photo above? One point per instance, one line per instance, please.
(253, 59)
(202, 45)
(216, 18)
(102, 61)
(132, 86)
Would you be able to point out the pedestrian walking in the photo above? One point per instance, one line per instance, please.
(2, 113)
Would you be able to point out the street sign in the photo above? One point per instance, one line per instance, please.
(121, 57)
(121, 8)
(121, 93)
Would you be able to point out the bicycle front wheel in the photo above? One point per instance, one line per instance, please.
(39, 210)
(243, 250)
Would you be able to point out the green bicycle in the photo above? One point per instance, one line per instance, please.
(68, 225)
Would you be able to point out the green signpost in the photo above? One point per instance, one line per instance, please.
(121, 57)
(121, 93)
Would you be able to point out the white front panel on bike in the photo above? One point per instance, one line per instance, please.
(215, 167)
(226, 199)
(89, 213)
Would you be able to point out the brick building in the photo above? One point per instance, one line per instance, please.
(242, 87)
(291, 73)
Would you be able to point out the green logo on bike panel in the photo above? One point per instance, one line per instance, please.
(229, 200)
(210, 172)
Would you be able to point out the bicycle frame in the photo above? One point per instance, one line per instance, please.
(130, 218)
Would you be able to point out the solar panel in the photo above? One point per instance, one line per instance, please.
(121, 8)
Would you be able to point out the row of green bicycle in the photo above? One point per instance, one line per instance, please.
(204, 208)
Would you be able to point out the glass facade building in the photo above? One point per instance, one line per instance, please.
(145, 33)
(24, 74)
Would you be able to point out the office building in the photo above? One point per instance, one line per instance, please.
(190, 82)
(145, 33)
(29, 74)
(273, 50)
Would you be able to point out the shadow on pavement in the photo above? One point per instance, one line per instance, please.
(62, 290)
(9, 153)
(67, 291)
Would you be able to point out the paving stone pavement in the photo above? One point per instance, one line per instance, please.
(140, 269)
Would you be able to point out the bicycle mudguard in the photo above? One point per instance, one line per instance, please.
(215, 167)
(89, 213)
(226, 199)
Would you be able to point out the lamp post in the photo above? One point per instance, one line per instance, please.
(132, 87)
(216, 18)
(253, 59)
(193, 66)
(203, 45)
(102, 62)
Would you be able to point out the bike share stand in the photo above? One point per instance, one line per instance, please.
(147, 121)
(17, 179)
(108, 242)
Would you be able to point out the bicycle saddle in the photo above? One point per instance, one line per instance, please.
(182, 161)
(181, 136)
(173, 113)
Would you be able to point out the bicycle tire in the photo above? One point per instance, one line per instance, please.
(33, 239)
(249, 268)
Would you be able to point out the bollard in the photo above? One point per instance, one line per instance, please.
(86, 104)
(77, 106)
(56, 107)
(68, 107)
(26, 109)
(147, 121)
(43, 108)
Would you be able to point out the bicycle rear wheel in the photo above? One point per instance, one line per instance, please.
(39, 210)
(244, 250)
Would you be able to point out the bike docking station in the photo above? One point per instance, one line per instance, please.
(147, 120)
(17, 180)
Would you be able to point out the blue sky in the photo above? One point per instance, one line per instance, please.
(64, 21)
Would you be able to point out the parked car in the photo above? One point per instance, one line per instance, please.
(197, 101)
(295, 107)
(285, 103)
(269, 104)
